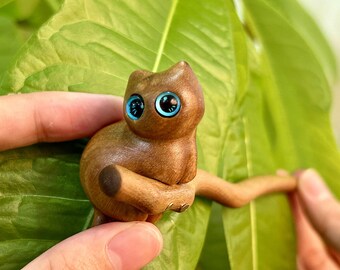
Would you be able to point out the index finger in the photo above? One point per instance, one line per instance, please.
(312, 252)
(26, 119)
(321, 207)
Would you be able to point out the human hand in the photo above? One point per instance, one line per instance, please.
(117, 245)
(59, 116)
(317, 222)
(26, 119)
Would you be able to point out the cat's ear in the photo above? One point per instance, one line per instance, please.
(180, 69)
(138, 75)
(182, 65)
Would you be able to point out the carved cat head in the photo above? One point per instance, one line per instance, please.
(164, 105)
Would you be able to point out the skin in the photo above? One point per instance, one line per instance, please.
(317, 222)
(60, 116)
(315, 212)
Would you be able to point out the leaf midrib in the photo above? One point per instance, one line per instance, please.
(165, 35)
(252, 206)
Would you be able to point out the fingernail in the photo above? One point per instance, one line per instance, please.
(312, 185)
(134, 247)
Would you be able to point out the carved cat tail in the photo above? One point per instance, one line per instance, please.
(241, 193)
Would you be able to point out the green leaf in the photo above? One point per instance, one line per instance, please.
(18, 20)
(88, 47)
(214, 253)
(36, 198)
(10, 39)
(20, 9)
(30, 14)
(292, 13)
(262, 81)
(4, 2)
(287, 87)
(54, 4)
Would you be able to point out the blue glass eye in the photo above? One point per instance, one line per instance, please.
(167, 104)
(135, 107)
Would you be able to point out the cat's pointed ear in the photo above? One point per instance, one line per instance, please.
(181, 68)
(139, 75)
(181, 65)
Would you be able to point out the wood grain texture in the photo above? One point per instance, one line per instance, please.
(159, 148)
(241, 193)
(138, 168)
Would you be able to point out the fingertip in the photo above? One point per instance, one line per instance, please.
(321, 207)
(103, 108)
(312, 187)
(154, 232)
(135, 247)
(115, 245)
(157, 234)
(55, 116)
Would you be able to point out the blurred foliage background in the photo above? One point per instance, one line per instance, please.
(327, 15)
(21, 18)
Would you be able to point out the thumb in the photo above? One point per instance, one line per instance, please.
(322, 208)
(109, 246)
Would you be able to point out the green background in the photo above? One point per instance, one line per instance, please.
(265, 69)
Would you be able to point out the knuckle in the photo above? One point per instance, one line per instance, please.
(40, 126)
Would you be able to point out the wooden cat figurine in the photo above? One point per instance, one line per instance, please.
(138, 168)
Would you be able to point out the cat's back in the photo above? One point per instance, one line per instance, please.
(104, 148)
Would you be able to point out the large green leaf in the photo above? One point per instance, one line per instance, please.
(10, 40)
(18, 20)
(37, 196)
(4, 2)
(297, 18)
(94, 47)
(30, 13)
(262, 83)
(286, 125)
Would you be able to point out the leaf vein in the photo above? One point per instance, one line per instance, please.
(252, 207)
(165, 35)
(42, 196)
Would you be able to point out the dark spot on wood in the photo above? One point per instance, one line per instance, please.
(110, 180)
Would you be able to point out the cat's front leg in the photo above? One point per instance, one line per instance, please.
(148, 195)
